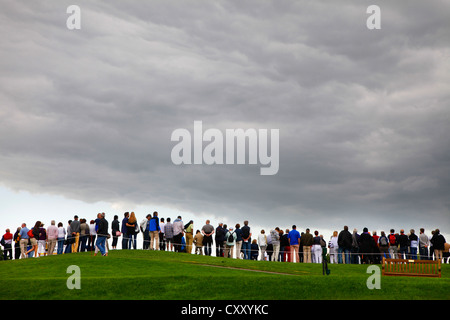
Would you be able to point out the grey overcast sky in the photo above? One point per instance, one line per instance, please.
(364, 115)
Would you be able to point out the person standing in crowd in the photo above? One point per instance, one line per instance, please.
(345, 245)
(52, 237)
(262, 243)
(376, 248)
(307, 242)
(189, 229)
(219, 237)
(24, 238)
(153, 228)
(84, 235)
(317, 248)
(238, 232)
(393, 244)
(366, 244)
(287, 247)
(162, 242)
(178, 233)
(131, 231)
(424, 243)
(403, 243)
(16, 239)
(168, 228)
(246, 241)
(431, 246)
(275, 236)
(333, 246)
(438, 242)
(355, 248)
(70, 238)
(269, 249)
(42, 240)
(294, 243)
(7, 239)
(207, 231)
(413, 241)
(254, 250)
(92, 235)
(284, 243)
(115, 231)
(198, 242)
(61, 237)
(125, 236)
(144, 226)
(34, 236)
(102, 233)
(230, 237)
(383, 244)
(75, 227)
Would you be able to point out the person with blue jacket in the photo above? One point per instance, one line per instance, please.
(154, 229)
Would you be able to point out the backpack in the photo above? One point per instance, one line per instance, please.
(230, 237)
(383, 241)
(392, 239)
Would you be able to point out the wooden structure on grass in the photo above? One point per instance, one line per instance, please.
(412, 268)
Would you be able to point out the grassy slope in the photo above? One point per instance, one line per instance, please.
(174, 276)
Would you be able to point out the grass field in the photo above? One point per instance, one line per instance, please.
(150, 275)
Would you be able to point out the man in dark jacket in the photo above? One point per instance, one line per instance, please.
(438, 242)
(403, 243)
(307, 241)
(345, 245)
(102, 233)
(220, 238)
(366, 246)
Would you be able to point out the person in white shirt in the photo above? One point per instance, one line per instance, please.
(262, 242)
(61, 238)
(52, 236)
(333, 246)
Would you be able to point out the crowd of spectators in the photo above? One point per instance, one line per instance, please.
(239, 242)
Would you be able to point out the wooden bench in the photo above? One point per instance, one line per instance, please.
(412, 268)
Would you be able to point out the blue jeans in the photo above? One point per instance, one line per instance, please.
(346, 255)
(125, 239)
(100, 243)
(246, 248)
(413, 253)
(60, 246)
(132, 241)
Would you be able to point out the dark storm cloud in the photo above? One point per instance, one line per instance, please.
(363, 115)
